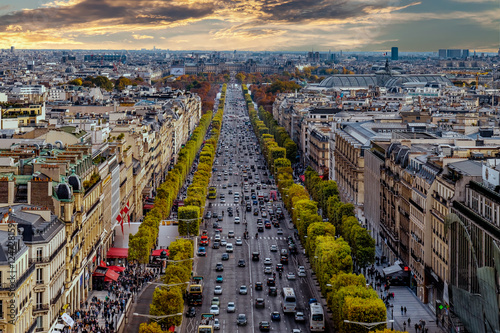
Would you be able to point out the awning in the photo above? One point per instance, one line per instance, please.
(392, 269)
(118, 269)
(148, 206)
(59, 326)
(111, 275)
(116, 252)
(157, 253)
(302, 177)
(100, 271)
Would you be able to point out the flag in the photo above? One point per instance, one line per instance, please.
(120, 220)
(126, 210)
(171, 328)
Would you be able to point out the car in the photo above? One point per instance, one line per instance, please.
(241, 263)
(208, 215)
(231, 307)
(299, 316)
(191, 312)
(267, 225)
(279, 231)
(223, 242)
(274, 248)
(264, 214)
(259, 303)
(264, 326)
(215, 301)
(243, 290)
(202, 251)
(268, 261)
(279, 267)
(237, 220)
(273, 291)
(219, 279)
(290, 276)
(239, 242)
(214, 309)
(296, 330)
(216, 324)
(216, 245)
(229, 247)
(241, 320)
(215, 215)
(219, 267)
(218, 290)
(268, 270)
(271, 282)
(275, 316)
(255, 256)
(230, 234)
(302, 271)
(258, 285)
(225, 256)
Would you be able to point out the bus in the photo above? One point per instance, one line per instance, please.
(205, 329)
(212, 192)
(195, 294)
(289, 301)
(317, 319)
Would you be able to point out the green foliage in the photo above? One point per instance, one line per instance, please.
(152, 327)
(166, 302)
(189, 220)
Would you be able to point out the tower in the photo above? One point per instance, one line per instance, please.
(394, 53)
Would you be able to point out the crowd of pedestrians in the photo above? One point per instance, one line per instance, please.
(111, 307)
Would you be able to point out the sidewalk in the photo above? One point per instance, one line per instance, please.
(101, 295)
(416, 310)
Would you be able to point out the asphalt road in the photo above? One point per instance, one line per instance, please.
(238, 141)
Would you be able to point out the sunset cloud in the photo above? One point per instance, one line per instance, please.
(245, 24)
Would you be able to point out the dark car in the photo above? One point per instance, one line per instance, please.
(225, 256)
(242, 319)
(258, 285)
(255, 256)
(267, 225)
(249, 208)
(275, 316)
(273, 291)
(241, 263)
(255, 212)
(259, 303)
(216, 245)
(191, 312)
(264, 326)
(271, 281)
(279, 267)
(219, 267)
(215, 215)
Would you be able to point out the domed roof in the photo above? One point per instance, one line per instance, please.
(75, 182)
(63, 191)
(70, 69)
(349, 81)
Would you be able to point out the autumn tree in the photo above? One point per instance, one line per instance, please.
(150, 328)
(167, 302)
(189, 220)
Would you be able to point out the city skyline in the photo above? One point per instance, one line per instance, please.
(262, 25)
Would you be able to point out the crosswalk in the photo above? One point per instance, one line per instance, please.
(225, 205)
(261, 237)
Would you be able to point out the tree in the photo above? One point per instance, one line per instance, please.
(150, 328)
(315, 230)
(291, 150)
(139, 248)
(76, 82)
(166, 302)
(240, 77)
(189, 220)
(178, 272)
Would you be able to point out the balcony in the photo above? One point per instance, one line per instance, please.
(16, 284)
(40, 307)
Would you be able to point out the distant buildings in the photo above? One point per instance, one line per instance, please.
(453, 53)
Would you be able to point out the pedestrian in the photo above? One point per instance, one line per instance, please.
(402, 310)
(405, 310)
(409, 322)
(404, 325)
(416, 328)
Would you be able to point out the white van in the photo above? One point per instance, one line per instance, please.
(229, 247)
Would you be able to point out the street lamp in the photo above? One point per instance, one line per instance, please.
(168, 285)
(368, 326)
(156, 317)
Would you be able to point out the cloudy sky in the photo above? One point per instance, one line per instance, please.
(320, 25)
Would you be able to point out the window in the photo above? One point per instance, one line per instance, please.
(62, 212)
(39, 253)
(39, 299)
(1, 309)
(39, 275)
(39, 322)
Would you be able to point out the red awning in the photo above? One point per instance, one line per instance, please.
(102, 264)
(116, 252)
(111, 275)
(302, 177)
(157, 253)
(148, 206)
(117, 268)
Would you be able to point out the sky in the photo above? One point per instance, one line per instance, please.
(251, 25)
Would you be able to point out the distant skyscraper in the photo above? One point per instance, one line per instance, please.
(499, 51)
(12, 49)
(394, 53)
(453, 53)
(442, 53)
(465, 53)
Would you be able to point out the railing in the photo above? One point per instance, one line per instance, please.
(7, 286)
(31, 329)
(56, 298)
(40, 307)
